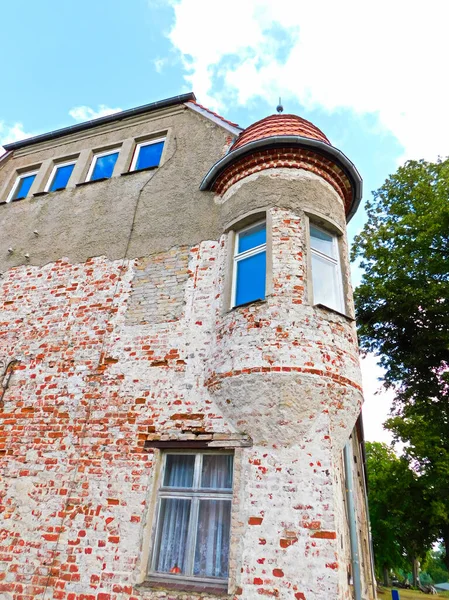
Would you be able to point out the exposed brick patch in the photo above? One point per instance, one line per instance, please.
(215, 379)
(324, 535)
(293, 158)
(150, 300)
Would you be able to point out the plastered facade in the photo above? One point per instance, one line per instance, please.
(121, 326)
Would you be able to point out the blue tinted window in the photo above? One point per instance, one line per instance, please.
(104, 166)
(24, 186)
(61, 178)
(252, 237)
(149, 156)
(250, 281)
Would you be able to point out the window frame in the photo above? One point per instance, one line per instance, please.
(331, 259)
(195, 494)
(136, 153)
(238, 256)
(53, 173)
(16, 184)
(98, 155)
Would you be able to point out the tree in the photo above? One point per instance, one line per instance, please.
(402, 310)
(400, 522)
(435, 567)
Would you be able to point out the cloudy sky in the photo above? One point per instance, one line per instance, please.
(372, 75)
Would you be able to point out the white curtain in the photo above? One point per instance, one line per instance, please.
(174, 522)
(214, 517)
(212, 543)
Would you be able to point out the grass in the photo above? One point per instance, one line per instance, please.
(410, 595)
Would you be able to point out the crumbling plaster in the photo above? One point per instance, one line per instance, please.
(97, 381)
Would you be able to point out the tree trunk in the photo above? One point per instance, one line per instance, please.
(416, 566)
(386, 573)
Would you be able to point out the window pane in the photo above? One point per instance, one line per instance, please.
(61, 177)
(326, 284)
(173, 527)
(104, 166)
(322, 241)
(179, 470)
(250, 280)
(149, 156)
(252, 237)
(24, 186)
(212, 542)
(217, 471)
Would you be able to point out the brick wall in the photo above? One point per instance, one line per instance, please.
(110, 358)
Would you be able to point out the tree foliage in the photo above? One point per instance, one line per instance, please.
(402, 309)
(400, 522)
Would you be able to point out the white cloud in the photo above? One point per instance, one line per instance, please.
(12, 133)
(386, 58)
(86, 113)
(159, 64)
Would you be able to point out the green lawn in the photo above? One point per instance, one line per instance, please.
(409, 595)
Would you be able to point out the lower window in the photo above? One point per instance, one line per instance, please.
(194, 518)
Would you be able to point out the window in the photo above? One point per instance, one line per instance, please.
(60, 176)
(326, 273)
(147, 154)
(250, 264)
(22, 186)
(194, 518)
(102, 165)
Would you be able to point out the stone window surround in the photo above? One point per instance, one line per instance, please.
(83, 161)
(230, 230)
(149, 531)
(314, 217)
(324, 222)
(17, 177)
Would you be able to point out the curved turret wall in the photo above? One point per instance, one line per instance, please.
(299, 360)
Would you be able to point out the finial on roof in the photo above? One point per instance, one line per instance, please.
(279, 107)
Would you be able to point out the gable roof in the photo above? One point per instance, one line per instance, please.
(188, 100)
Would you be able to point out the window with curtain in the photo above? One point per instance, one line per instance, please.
(250, 264)
(326, 272)
(194, 517)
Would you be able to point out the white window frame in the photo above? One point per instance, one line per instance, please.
(98, 155)
(246, 254)
(17, 183)
(195, 494)
(53, 173)
(333, 260)
(137, 151)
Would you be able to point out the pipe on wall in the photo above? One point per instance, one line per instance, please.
(355, 556)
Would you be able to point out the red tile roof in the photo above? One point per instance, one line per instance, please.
(275, 125)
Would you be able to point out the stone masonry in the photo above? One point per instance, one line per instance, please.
(118, 352)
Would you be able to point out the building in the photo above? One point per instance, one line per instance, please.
(180, 386)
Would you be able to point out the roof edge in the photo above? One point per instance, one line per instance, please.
(124, 114)
(215, 118)
(296, 140)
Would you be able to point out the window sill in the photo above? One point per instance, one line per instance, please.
(333, 310)
(215, 589)
(92, 181)
(139, 171)
(38, 194)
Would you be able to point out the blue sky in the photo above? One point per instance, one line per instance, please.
(373, 77)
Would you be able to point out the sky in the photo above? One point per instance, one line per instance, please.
(371, 75)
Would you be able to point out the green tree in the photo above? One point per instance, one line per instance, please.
(400, 521)
(434, 566)
(402, 309)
